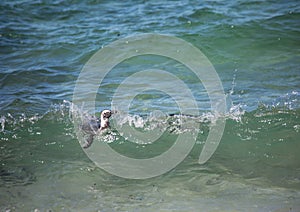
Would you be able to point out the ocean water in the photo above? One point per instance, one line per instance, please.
(255, 49)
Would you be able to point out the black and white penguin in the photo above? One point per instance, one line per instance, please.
(95, 126)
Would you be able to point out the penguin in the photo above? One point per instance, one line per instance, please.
(95, 125)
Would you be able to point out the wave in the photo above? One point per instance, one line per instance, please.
(282, 112)
(264, 140)
(267, 136)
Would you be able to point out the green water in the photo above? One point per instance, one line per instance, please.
(254, 47)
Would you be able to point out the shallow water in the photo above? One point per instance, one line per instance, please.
(254, 47)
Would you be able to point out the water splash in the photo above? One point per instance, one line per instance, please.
(2, 122)
(66, 113)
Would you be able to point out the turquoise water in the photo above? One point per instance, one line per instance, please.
(254, 47)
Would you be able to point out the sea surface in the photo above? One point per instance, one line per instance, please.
(254, 47)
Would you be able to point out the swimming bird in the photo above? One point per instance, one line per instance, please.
(95, 125)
